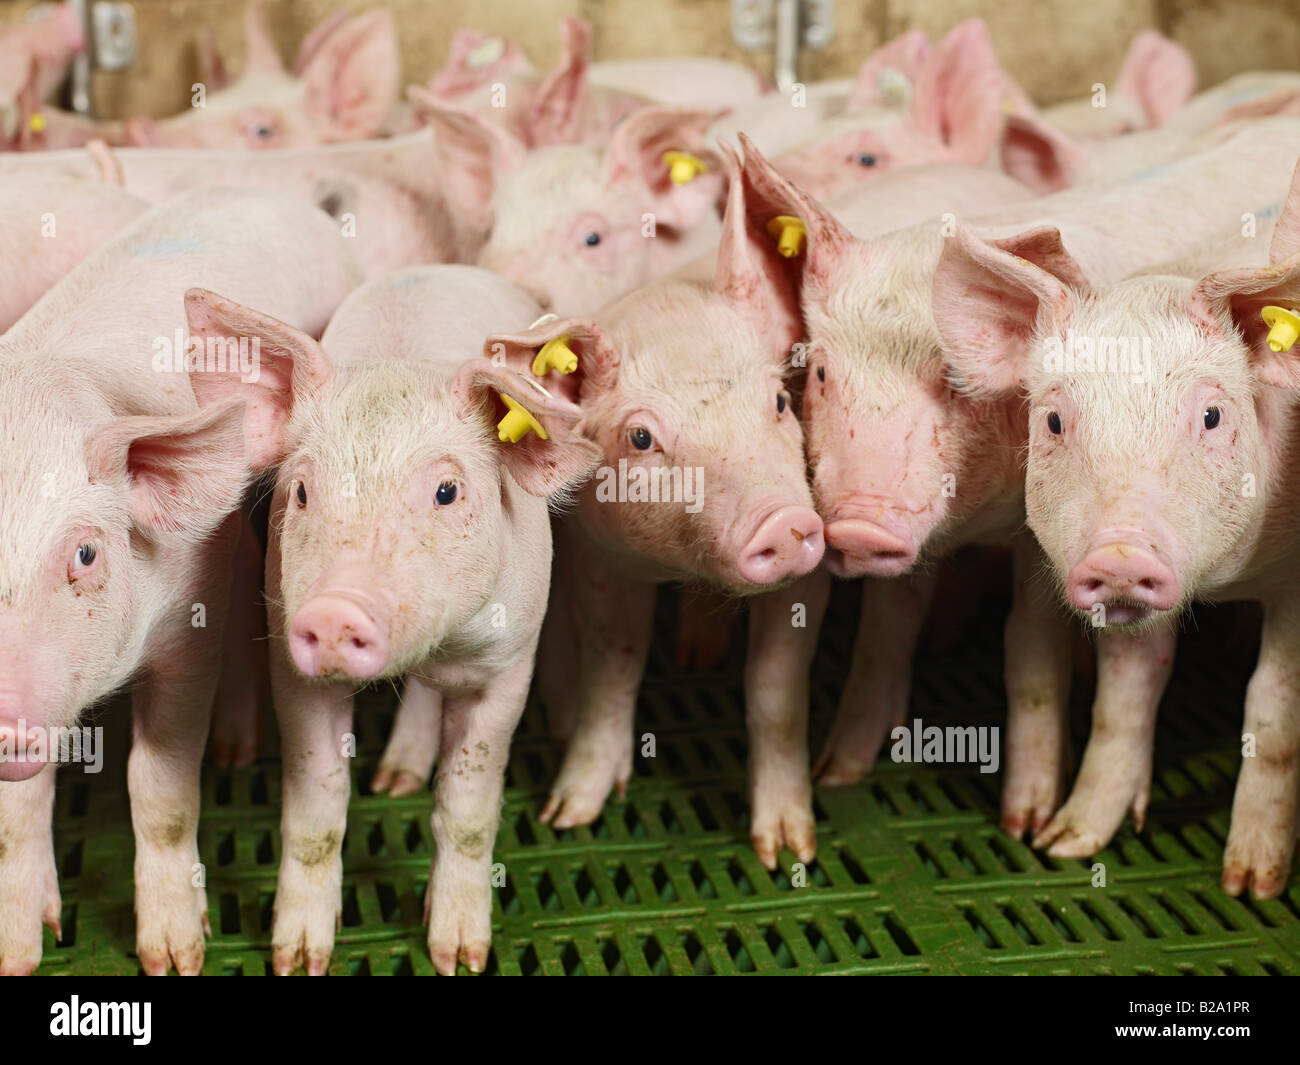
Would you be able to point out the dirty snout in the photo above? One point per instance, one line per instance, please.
(787, 543)
(1122, 572)
(340, 632)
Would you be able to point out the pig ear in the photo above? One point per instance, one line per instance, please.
(540, 467)
(555, 114)
(187, 473)
(959, 91)
(1039, 155)
(991, 299)
(476, 59)
(750, 271)
(213, 71)
(888, 75)
(260, 52)
(1286, 235)
(598, 362)
(637, 149)
(288, 364)
(354, 78)
(316, 37)
(1159, 73)
(474, 152)
(769, 194)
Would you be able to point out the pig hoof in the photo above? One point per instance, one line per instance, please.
(460, 927)
(784, 825)
(25, 912)
(835, 771)
(1260, 865)
(171, 934)
(569, 809)
(302, 930)
(1029, 811)
(589, 773)
(396, 782)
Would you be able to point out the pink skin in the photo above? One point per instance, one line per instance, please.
(1140, 517)
(139, 464)
(899, 409)
(34, 58)
(343, 87)
(374, 572)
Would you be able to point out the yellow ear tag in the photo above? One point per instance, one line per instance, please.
(555, 355)
(1284, 327)
(790, 234)
(37, 122)
(683, 168)
(517, 423)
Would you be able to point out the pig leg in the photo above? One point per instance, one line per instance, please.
(613, 617)
(1261, 839)
(1037, 667)
(172, 707)
(880, 678)
(1132, 669)
(704, 624)
(557, 668)
(29, 883)
(476, 732)
(413, 746)
(783, 628)
(236, 714)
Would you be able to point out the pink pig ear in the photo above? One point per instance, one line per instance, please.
(555, 114)
(904, 56)
(476, 154)
(316, 37)
(1039, 155)
(1159, 73)
(768, 194)
(540, 467)
(213, 71)
(288, 364)
(991, 299)
(598, 362)
(959, 93)
(636, 151)
(260, 51)
(750, 271)
(187, 472)
(354, 78)
(476, 59)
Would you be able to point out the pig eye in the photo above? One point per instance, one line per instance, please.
(591, 238)
(641, 438)
(300, 493)
(1211, 417)
(782, 401)
(865, 159)
(82, 561)
(1054, 423)
(821, 373)
(446, 494)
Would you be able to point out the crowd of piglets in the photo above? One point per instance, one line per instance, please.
(434, 383)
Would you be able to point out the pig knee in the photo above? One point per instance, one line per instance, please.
(471, 837)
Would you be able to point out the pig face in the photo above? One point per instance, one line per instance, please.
(577, 226)
(391, 499)
(1155, 413)
(91, 517)
(901, 461)
(682, 388)
(342, 89)
(911, 107)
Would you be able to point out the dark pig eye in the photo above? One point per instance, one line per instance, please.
(865, 159)
(591, 239)
(446, 494)
(300, 493)
(782, 401)
(821, 373)
(1211, 417)
(641, 438)
(1054, 423)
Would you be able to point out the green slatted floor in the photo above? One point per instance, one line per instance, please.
(912, 874)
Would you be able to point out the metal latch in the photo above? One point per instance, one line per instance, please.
(111, 43)
(784, 26)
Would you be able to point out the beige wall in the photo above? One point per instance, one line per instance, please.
(1056, 48)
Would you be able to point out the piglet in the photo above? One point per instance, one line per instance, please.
(117, 532)
(1161, 469)
(409, 538)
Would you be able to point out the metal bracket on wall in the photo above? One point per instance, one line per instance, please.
(783, 26)
(111, 43)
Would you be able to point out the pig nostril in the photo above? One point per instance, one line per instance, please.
(359, 643)
(310, 639)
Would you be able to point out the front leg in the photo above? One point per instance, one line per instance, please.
(476, 733)
(880, 679)
(412, 746)
(172, 707)
(29, 884)
(1132, 670)
(783, 630)
(613, 617)
(1037, 670)
(1261, 839)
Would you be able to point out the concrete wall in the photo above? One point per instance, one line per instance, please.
(1055, 48)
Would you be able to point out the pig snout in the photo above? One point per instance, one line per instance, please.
(787, 544)
(856, 547)
(333, 635)
(17, 730)
(1130, 581)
